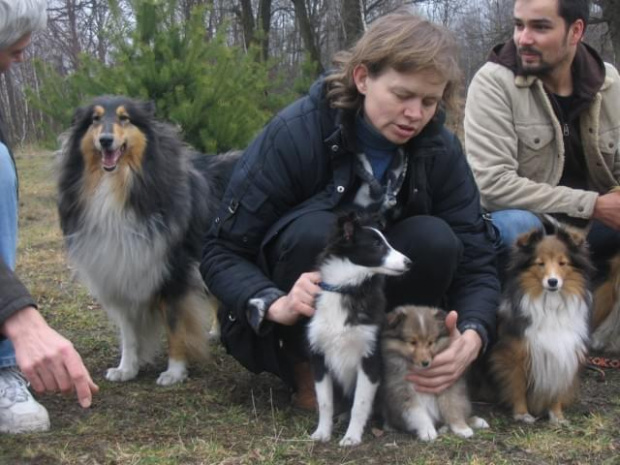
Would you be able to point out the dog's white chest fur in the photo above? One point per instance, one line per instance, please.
(120, 259)
(343, 345)
(557, 340)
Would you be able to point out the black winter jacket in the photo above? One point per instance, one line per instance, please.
(302, 162)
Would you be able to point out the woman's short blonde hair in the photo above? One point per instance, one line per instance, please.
(403, 42)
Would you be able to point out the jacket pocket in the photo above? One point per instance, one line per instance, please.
(248, 216)
(536, 152)
(608, 143)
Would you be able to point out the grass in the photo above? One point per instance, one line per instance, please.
(225, 415)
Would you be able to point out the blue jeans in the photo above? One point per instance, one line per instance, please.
(509, 224)
(8, 234)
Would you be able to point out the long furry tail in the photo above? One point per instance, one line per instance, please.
(198, 319)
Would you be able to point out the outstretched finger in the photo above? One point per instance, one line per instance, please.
(84, 385)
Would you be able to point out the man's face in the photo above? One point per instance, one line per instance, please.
(14, 53)
(399, 105)
(543, 39)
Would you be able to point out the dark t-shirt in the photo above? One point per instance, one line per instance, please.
(575, 169)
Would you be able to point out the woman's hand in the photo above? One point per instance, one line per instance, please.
(298, 302)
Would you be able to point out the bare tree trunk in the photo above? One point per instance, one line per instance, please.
(264, 13)
(307, 33)
(352, 21)
(247, 22)
(611, 15)
(9, 113)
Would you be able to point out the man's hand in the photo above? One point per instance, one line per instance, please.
(47, 360)
(449, 365)
(607, 209)
(298, 302)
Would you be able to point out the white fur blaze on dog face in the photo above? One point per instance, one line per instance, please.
(394, 262)
(552, 280)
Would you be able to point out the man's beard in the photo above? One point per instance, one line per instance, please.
(542, 68)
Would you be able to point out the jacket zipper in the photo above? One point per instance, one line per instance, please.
(560, 115)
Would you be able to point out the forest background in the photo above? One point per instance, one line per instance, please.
(220, 69)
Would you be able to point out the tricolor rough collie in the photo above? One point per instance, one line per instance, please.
(134, 203)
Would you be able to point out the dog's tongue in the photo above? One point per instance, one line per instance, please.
(110, 158)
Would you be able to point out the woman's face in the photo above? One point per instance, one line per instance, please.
(399, 105)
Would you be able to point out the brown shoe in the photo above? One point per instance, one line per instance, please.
(304, 397)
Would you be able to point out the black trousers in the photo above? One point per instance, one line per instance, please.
(428, 241)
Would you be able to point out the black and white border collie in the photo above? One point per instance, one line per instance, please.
(344, 332)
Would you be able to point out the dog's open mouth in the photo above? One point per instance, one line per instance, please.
(110, 157)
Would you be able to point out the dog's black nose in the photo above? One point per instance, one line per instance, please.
(106, 140)
(553, 282)
(426, 363)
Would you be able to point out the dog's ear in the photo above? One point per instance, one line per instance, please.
(571, 237)
(396, 317)
(439, 314)
(527, 240)
(440, 318)
(347, 224)
(148, 107)
(80, 114)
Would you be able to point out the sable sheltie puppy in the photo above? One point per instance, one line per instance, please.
(606, 318)
(411, 338)
(344, 331)
(133, 209)
(544, 324)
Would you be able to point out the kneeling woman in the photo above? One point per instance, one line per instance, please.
(370, 136)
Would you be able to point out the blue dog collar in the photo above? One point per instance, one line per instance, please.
(339, 289)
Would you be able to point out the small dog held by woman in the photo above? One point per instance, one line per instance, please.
(344, 332)
(544, 324)
(412, 337)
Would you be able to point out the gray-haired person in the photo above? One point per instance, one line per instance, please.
(31, 352)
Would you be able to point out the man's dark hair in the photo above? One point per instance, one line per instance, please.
(572, 10)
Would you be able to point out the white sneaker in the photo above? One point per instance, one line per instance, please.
(19, 412)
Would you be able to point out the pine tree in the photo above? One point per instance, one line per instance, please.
(219, 95)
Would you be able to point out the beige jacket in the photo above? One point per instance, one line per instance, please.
(514, 143)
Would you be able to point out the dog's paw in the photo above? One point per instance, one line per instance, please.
(597, 344)
(321, 435)
(558, 421)
(214, 337)
(524, 417)
(348, 441)
(170, 377)
(427, 435)
(478, 423)
(118, 374)
(462, 431)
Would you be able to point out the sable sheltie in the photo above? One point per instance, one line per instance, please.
(606, 318)
(344, 331)
(134, 203)
(411, 338)
(544, 324)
